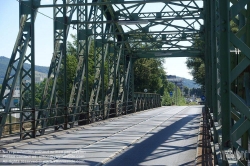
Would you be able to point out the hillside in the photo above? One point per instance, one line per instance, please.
(189, 83)
(4, 61)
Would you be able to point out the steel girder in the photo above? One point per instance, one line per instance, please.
(115, 30)
(228, 78)
(17, 75)
(61, 29)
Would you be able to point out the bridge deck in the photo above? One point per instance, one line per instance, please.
(162, 136)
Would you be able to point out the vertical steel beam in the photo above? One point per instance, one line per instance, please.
(77, 97)
(207, 54)
(214, 76)
(61, 30)
(114, 61)
(86, 55)
(132, 86)
(121, 78)
(245, 136)
(33, 84)
(248, 25)
(65, 85)
(213, 60)
(9, 79)
(27, 75)
(224, 51)
(83, 97)
(99, 55)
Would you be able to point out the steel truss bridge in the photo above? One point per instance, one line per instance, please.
(117, 30)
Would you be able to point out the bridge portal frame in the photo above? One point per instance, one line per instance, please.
(227, 74)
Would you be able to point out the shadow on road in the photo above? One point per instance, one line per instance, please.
(143, 151)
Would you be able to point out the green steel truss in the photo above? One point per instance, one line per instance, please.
(227, 74)
(120, 32)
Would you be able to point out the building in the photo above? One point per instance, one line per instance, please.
(177, 81)
(16, 96)
(39, 77)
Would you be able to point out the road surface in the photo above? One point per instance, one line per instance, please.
(160, 136)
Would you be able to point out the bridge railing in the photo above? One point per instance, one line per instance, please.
(19, 123)
(146, 101)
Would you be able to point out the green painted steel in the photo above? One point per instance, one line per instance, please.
(230, 76)
(114, 34)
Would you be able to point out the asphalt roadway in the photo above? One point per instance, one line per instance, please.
(160, 136)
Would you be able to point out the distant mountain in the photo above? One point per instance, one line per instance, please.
(4, 62)
(189, 83)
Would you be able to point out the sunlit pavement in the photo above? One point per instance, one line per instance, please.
(161, 136)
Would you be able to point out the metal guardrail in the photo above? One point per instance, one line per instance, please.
(62, 118)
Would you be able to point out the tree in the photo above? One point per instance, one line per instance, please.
(167, 100)
(177, 96)
(186, 91)
(180, 98)
(148, 74)
(39, 92)
(197, 65)
(196, 91)
(71, 71)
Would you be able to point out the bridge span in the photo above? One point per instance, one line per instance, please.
(159, 136)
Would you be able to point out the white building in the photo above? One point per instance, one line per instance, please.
(39, 77)
(16, 97)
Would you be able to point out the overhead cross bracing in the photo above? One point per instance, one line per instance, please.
(115, 29)
(164, 26)
(57, 110)
(120, 32)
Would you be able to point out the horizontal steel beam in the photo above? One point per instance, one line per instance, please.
(167, 54)
(112, 3)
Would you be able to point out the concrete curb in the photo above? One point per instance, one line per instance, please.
(199, 139)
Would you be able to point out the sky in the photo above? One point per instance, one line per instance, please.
(9, 26)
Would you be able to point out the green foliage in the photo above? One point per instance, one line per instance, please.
(234, 27)
(197, 67)
(180, 98)
(39, 92)
(72, 62)
(71, 71)
(186, 91)
(196, 64)
(167, 100)
(196, 91)
(148, 74)
(192, 103)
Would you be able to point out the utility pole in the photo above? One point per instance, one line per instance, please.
(176, 93)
